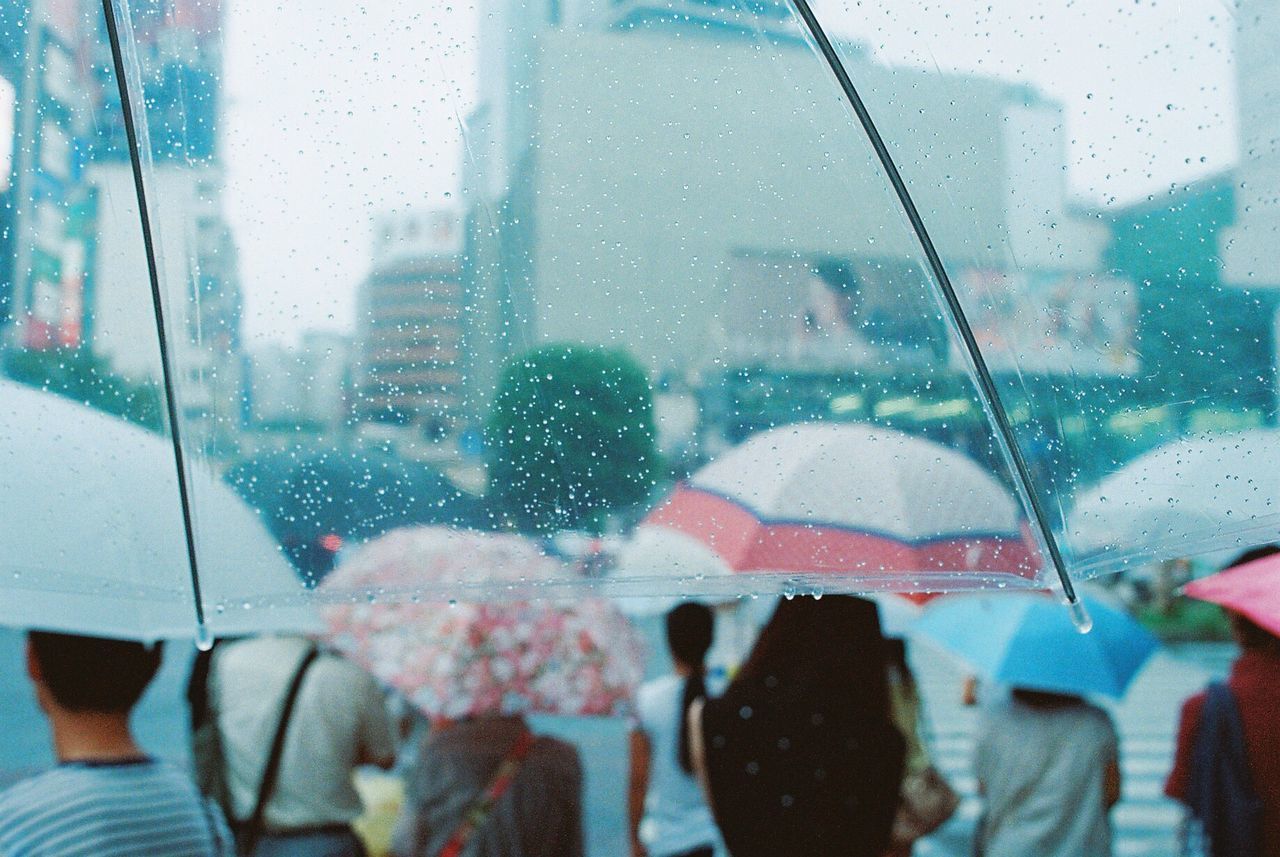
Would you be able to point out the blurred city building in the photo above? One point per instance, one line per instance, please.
(751, 226)
(299, 391)
(51, 245)
(1248, 249)
(411, 329)
(77, 250)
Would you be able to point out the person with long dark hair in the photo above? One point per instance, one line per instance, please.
(800, 755)
(669, 817)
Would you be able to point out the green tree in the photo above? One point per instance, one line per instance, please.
(78, 374)
(571, 438)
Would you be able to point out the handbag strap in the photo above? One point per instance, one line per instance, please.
(481, 808)
(253, 828)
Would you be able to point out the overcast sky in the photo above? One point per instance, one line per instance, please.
(335, 114)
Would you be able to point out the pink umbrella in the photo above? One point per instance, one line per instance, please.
(1252, 590)
(465, 659)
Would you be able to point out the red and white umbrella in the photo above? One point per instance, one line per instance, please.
(870, 504)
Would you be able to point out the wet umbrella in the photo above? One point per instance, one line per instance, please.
(459, 658)
(318, 501)
(852, 500)
(1028, 640)
(266, 259)
(97, 545)
(1251, 589)
(1146, 507)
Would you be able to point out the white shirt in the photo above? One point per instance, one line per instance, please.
(676, 817)
(340, 718)
(1043, 770)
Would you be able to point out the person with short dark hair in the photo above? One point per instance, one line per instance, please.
(1251, 699)
(668, 814)
(106, 796)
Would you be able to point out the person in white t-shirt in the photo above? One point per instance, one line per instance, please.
(1048, 770)
(668, 813)
(340, 722)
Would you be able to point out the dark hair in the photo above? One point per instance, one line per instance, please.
(1254, 553)
(1045, 698)
(94, 674)
(690, 631)
(1248, 633)
(895, 660)
(823, 649)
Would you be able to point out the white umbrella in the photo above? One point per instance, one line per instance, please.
(1216, 490)
(93, 540)
(852, 503)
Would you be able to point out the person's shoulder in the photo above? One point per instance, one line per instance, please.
(1097, 717)
(253, 652)
(557, 755)
(653, 691)
(40, 793)
(1192, 706)
(21, 795)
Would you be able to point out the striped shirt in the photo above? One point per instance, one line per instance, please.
(105, 809)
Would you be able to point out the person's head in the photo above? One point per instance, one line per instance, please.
(690, 632)
(1045, 698)
(83, 675)
(1253, 553)
(822, 649)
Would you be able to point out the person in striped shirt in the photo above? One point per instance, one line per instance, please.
(105, 797)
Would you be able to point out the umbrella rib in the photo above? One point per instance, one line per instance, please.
(153, 276)
(951, 302)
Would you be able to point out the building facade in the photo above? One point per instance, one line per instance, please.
(693, 187)
(411, 327)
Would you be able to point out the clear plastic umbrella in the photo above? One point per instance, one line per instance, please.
(569, 253)
(1147, 504)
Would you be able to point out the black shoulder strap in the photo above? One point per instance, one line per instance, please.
(254, 826)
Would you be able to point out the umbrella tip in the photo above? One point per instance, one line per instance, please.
(1079, 615)
(204, 638)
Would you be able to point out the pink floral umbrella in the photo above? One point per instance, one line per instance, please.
(465, 659)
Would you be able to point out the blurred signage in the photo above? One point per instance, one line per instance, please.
(1051, 323)
(411, 235)
(838, 313)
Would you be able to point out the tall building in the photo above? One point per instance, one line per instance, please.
(1248, 249)
(302, 388)
(79, 270)
(13, 37)
(199, 272)
(410, 371)
(685, 180)
(53, 130)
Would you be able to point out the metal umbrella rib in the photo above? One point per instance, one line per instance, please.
(153, 275)
(951, 302)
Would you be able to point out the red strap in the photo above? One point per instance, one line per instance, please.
(484, 803)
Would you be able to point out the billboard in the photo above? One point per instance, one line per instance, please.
(1051, 322)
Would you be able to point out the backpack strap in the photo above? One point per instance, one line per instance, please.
(482, 807)
(253, 829)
